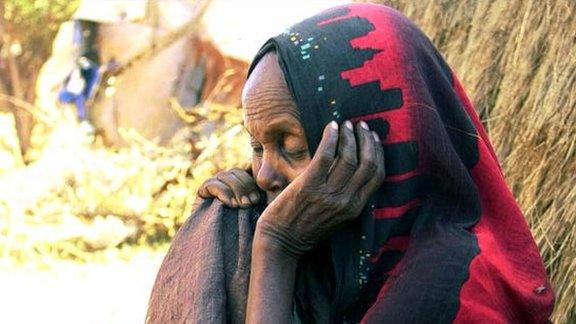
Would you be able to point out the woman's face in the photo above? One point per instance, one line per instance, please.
(280, 151)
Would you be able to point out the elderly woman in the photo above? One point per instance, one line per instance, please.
(374, 194)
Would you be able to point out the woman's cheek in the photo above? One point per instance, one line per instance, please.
(256, 163)
(298, 167)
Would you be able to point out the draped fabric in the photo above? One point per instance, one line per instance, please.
(443, 239)
(205, 273)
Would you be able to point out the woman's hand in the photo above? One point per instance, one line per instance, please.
(346, 170)
(235, 188)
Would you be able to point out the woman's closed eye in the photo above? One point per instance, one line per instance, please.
(289, 145)
(296, 153)
(257, 148)
(294, 147)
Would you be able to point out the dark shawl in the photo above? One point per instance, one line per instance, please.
(443, 240)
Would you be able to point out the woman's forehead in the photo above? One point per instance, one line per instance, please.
(266, 96)
(268, 129)
(266, 76)
(269, 116)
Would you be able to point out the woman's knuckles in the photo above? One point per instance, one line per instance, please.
(320, 198)
(340, 205)
(239, 171)
(322, 164)
(369, 165)
(349, 162)
(333, 202)
(229, 188)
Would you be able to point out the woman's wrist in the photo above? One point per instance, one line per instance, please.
(273, 239)
(272, 277)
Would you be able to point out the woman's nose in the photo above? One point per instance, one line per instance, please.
(270, 177)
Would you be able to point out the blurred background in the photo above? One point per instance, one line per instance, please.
(113, 112)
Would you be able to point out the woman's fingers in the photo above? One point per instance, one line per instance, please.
(347, 160)
(368, 163)
(234, 188)
(325, 154)
(380, 160)
(248, 184)
(377, 176)
(369, 173)
(240, 190)
(214, 188)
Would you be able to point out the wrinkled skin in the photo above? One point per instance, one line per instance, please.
(280, 150)
(280, 156)
(307, 197)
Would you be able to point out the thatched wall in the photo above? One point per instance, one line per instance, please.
(517, 60)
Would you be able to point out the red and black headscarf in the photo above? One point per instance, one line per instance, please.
(443, 240)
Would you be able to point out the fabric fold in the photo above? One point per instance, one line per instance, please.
(204, 276)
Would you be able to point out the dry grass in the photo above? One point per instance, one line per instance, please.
(517, 59)
(79, 196)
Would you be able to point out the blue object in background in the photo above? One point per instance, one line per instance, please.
(82, 81)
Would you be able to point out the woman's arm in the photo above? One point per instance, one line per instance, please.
(272, 278)
(345, 171)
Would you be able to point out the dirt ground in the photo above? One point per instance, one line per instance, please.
(112, 292)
